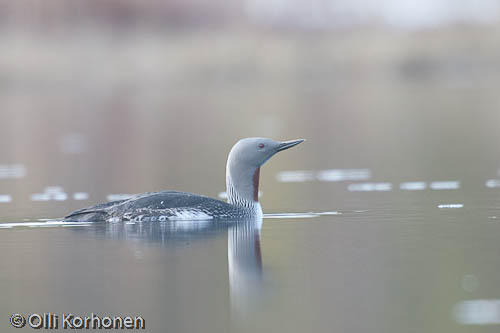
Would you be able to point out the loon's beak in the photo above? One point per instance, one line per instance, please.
(288, 144)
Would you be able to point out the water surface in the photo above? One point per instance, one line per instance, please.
(405, 268)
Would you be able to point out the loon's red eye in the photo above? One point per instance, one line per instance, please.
(261, 145)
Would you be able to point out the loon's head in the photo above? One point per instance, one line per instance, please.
(243, 167)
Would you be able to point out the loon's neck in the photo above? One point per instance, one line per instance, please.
(242, 186)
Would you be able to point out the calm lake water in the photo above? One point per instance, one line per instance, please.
(408, 266)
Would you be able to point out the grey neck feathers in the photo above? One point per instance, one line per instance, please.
(242, 184)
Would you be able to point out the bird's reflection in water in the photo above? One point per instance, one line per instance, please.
(169, 234)
(245, 267)
(243, 248)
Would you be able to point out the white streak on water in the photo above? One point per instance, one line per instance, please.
(4, 198)
(40, 197)
(451, 206)
(413, 186)
(48, 197)
(369, 187)
(493, 183)
(80, 196)
(477, 312)
(14, 171)
(60, 196)
(445, 185)
(298, 215)
(290, 216)
(337, 175)
(295, 176)
(329, 175)
(329, 213)
(43, 224)
(50, 193)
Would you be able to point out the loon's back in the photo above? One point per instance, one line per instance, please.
(160, 206)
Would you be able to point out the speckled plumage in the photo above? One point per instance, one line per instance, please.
(161, 206)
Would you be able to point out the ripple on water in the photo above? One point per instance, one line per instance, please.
(299, 215)
(43, 224)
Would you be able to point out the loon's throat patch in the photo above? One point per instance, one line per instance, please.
(256, 176)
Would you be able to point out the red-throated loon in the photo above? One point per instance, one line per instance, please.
(242, 186)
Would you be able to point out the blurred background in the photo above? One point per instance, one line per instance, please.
(104, 97)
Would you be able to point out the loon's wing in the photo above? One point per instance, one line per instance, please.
(151, 203)
(94, 213)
